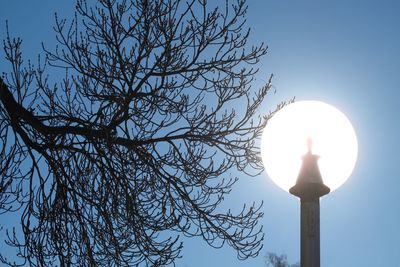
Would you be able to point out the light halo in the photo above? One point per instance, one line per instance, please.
(284, 142)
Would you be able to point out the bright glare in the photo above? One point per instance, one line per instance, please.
(284, 142)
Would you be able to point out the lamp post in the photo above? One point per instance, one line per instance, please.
(328, 133)
(309, 188)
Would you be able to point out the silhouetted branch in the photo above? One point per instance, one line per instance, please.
(134, 145)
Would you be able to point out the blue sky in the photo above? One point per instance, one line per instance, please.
(345, 53)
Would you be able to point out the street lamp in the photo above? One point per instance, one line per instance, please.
(315, 143)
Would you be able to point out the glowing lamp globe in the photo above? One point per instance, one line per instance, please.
(303, 126)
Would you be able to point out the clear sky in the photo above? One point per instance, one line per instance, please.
(343, 52)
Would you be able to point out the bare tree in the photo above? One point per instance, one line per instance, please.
(135, 144)
(273, 260)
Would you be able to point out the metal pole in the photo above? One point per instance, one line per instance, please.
(309, 233)
(309, 188)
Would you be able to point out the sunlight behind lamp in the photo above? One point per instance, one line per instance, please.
(306, 126)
